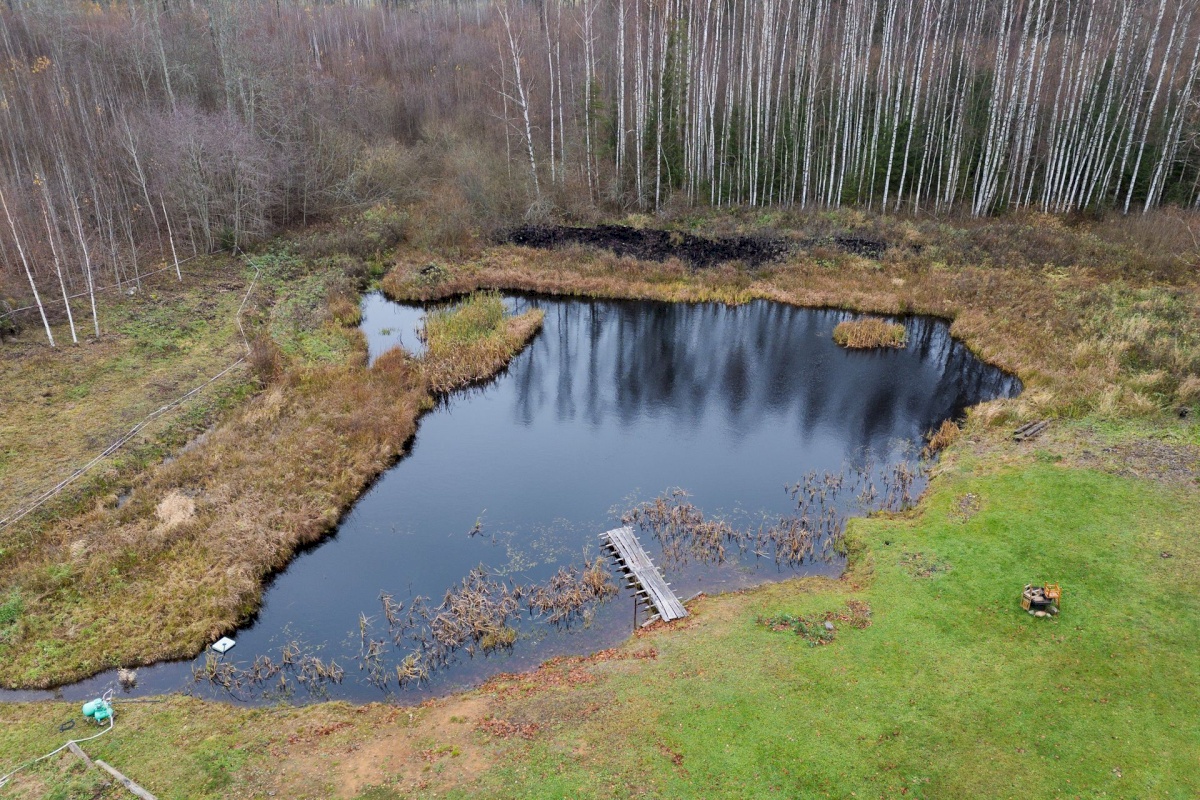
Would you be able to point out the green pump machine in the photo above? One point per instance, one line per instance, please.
(99, 710)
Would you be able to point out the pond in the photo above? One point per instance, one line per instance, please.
(612, 404)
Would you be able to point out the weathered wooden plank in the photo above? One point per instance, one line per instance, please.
(82, 756)
(632, 557)
(1030, 430)
(128, 784)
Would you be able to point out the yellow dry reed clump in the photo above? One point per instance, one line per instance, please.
(870, 332)
(942, 438)
(344, 309)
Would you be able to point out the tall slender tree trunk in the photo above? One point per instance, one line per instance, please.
(58, 267)
(37, 298)
(521, 98)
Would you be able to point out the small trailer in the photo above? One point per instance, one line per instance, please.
(1041, 601)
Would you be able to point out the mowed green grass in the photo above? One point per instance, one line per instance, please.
(952, 692)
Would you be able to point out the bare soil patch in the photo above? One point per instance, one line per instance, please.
(404, 756)
(1166, 462)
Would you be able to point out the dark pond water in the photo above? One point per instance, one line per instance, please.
(612, 404)
(387, 325)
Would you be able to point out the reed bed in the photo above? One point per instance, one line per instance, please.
(407, 642)
(478, 609)
(570, 591)
(265, 676)
(683, 531)
(814, 530)
(870, 332)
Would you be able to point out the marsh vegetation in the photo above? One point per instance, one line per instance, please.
(497, 480)
(812, 530)
(869, 332)
(405, 642)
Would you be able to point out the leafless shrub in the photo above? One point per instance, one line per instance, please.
(266, 359)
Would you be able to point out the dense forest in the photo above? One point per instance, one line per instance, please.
(135, 134)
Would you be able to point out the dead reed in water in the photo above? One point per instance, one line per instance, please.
(570, 591)
(476, 616)
(479, 607)
(814, 530)
(870, 332)
(294, 666)
(682, 529)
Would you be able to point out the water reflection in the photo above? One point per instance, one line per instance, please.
(387, 325)
(748, 369)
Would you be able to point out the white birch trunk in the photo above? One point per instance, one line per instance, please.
(58, 267)
(37, 298)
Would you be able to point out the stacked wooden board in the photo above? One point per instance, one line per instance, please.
(1030, 430)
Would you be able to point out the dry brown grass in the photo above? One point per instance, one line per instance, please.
(175, 508)
(869, 332)
(184, 559)
(1189, 389)
(942, 438)
(345, 309)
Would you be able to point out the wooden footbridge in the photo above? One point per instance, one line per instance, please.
(643, 575)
